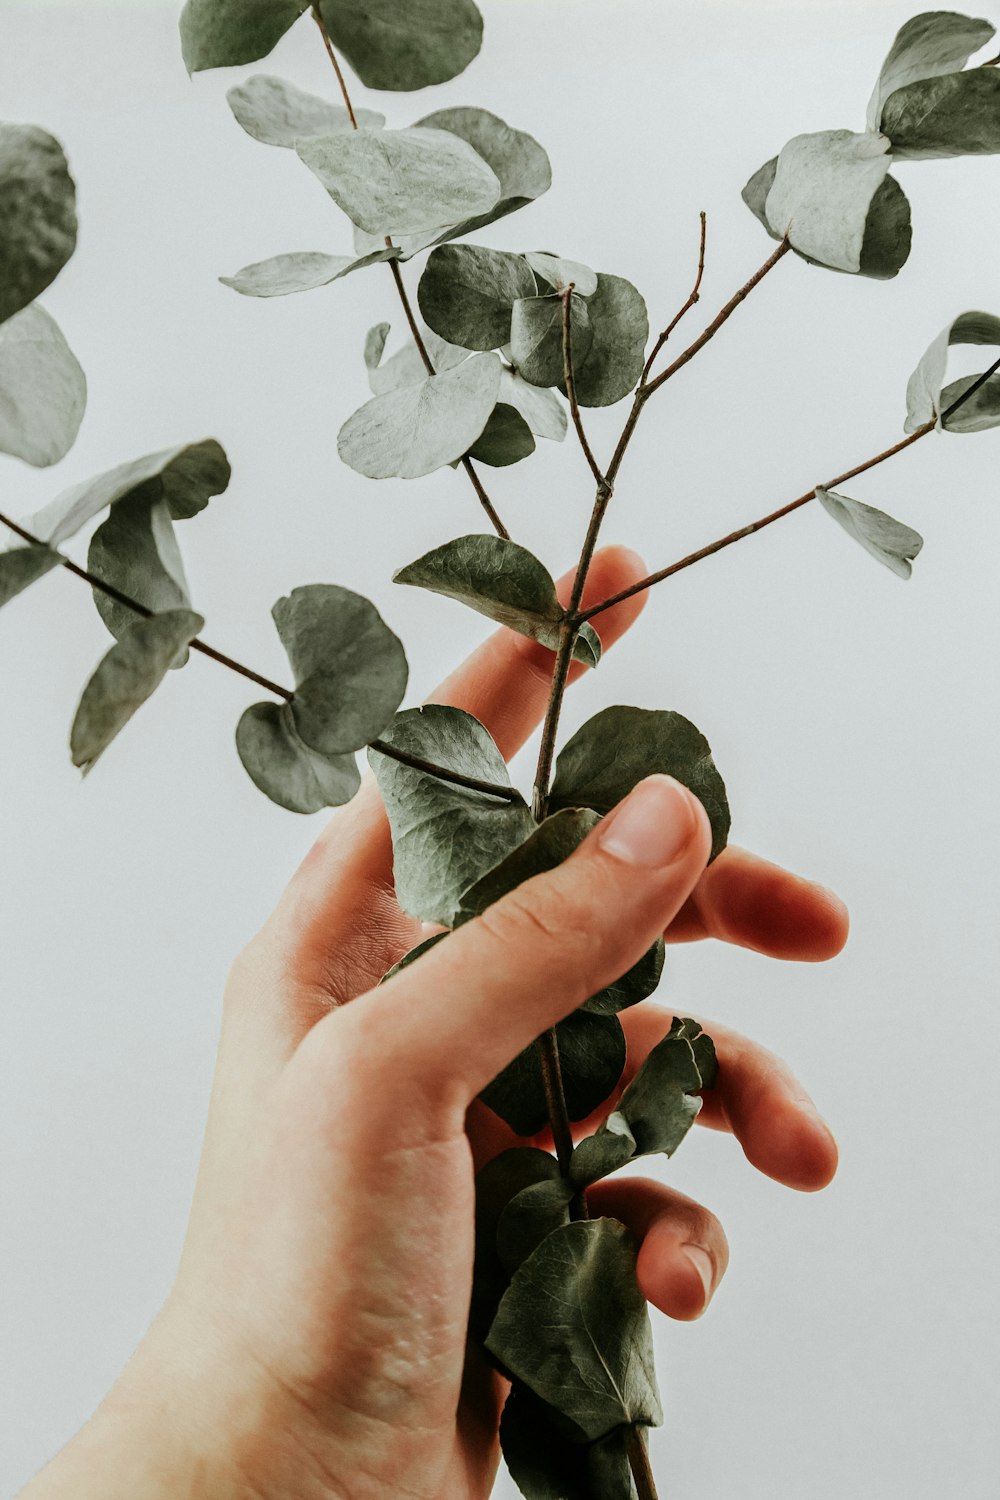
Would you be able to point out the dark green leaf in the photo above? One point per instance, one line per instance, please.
(611, 368)
(188, 477)
(621, 745)
(279, 114)
(558, 273)
(350, 669)
(957, 115)
(536, 337)
(889, 541)
(402, 47)
(20, 567)
(418, 428)
(37, 215)
(608, 1468)
(505, 439)
(43, 391)
(980, 411)
(935, 42)
(549, 845)
(300, 271)
(499, 579)
(529, 1217)
(444, 836)
(638, 984)
(924, 400)
(544, 1463)
(466, 294)
(573, 1326)
(405, 367)
(223, 33)
(401, 181)
(540, 408)
(823, 188)
(496, 1184)
(129, 674)
(414, 953)
(592, 1054)
(281, 764)
(135, 550)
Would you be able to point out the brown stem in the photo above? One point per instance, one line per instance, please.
(444, 773)
(555, 1098)
(693, 296)
(318, 18)
(638, 1461)
(570, 384)
(973, 388)
(754, 526)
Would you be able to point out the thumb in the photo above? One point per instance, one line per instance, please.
(450, 1022)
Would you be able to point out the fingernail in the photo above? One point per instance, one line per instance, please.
(653, 826)
(704, 1265)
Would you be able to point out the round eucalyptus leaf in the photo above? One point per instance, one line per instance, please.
(823, 188)
(496, 1183)
(224, 33)
(20, 567)
(559, 273)
(549, 844)
(43, 390)
(544, 1463)
(542, 409)
(611, 367)
(638, 984)
(932, 43)
(404, 47)
(924, 397)
(282, 766)
(529, 1217)
(466, 294)
(955, 115)
(592, 1058)
(279, 114)
(536, 337)
(300, 271)
(981, 411)
(37, 215)
(888, 541)
(506, 439)
(135, 550)
(405, 366)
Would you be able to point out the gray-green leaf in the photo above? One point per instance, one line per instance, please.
(20, 567)
(541, 409)
(611, 367)
(889, 541)
(981, 411)
(43, 390)
(573, 1326)
(281, 764)
(129, 674)
(496, 1184)
(350, 669)
(957, 115)
(418, 428)
(135, 550)
(279, 114)
(401, 181)
(544, 1463)
(505, 439)
(592, 1055)
(499, 579)
(406, 367)
(621, 745)
(638, 984)
(823, 189)
(37, 215)
(466, 294)
(536, 337)
(402, 47)
(300, 271)
(223, 33)
(529, 1217)
(924, 401)
(444, 836)
(926, 46)
(559, 273)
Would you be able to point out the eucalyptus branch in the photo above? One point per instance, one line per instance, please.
(397, 276)
(570, 383)
(638, 1458)
(693, 297)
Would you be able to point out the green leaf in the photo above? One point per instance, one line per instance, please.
(37, 215)
(980, 411)
(20, 567)
(544, 1463)
(403, 47)
(611, 368)
(540, 408)
(405, 367)
(187, 478)
(223, 33)
(889, 541)
(279, 114)
(957, 115)
(135, 550)
(505, 439)
(497, 578)
(592, 1054)
(281, 764)
(444, 836)
(466, 294)
(933, 43)
(529, 1217)
(129, 674)
(621, 745)
(416, 429)
(43, 390)
(414, 953)
(608, 1468)
(573, 1326)
(350, 669)
(559, 273)
(401, 181)
(924, 398)
(638, 984)
(549, 844)
(496, 1184)
(536, 337)
(300, 271)
(823, 189)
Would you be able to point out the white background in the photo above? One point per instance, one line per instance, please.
(853, 1348)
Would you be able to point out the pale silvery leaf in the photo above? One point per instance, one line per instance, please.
(279, 114)
(610, 368)
(541, 408)
(416, 429)
(37, 215)
(466, 294)
(43, 390)
(927, 46)
(559, 273)
(406, 367)
(401, 181)
(21, 566)
(403, 47)
(282, 766)
(135, 550)
(536, 337)
(823, 188)
(131, 671)
(957, 115)
(223, 33)
(889, 541)
(923, 390)
(300, 271)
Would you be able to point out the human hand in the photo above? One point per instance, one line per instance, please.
(314, 1342)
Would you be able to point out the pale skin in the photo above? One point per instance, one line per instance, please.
(313, 1346)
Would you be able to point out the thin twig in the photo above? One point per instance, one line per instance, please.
(693, 297)
(318, 18)
(444, 773)
(570, 384)
(973, 388)
(555, 1098)
(638, 1460)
